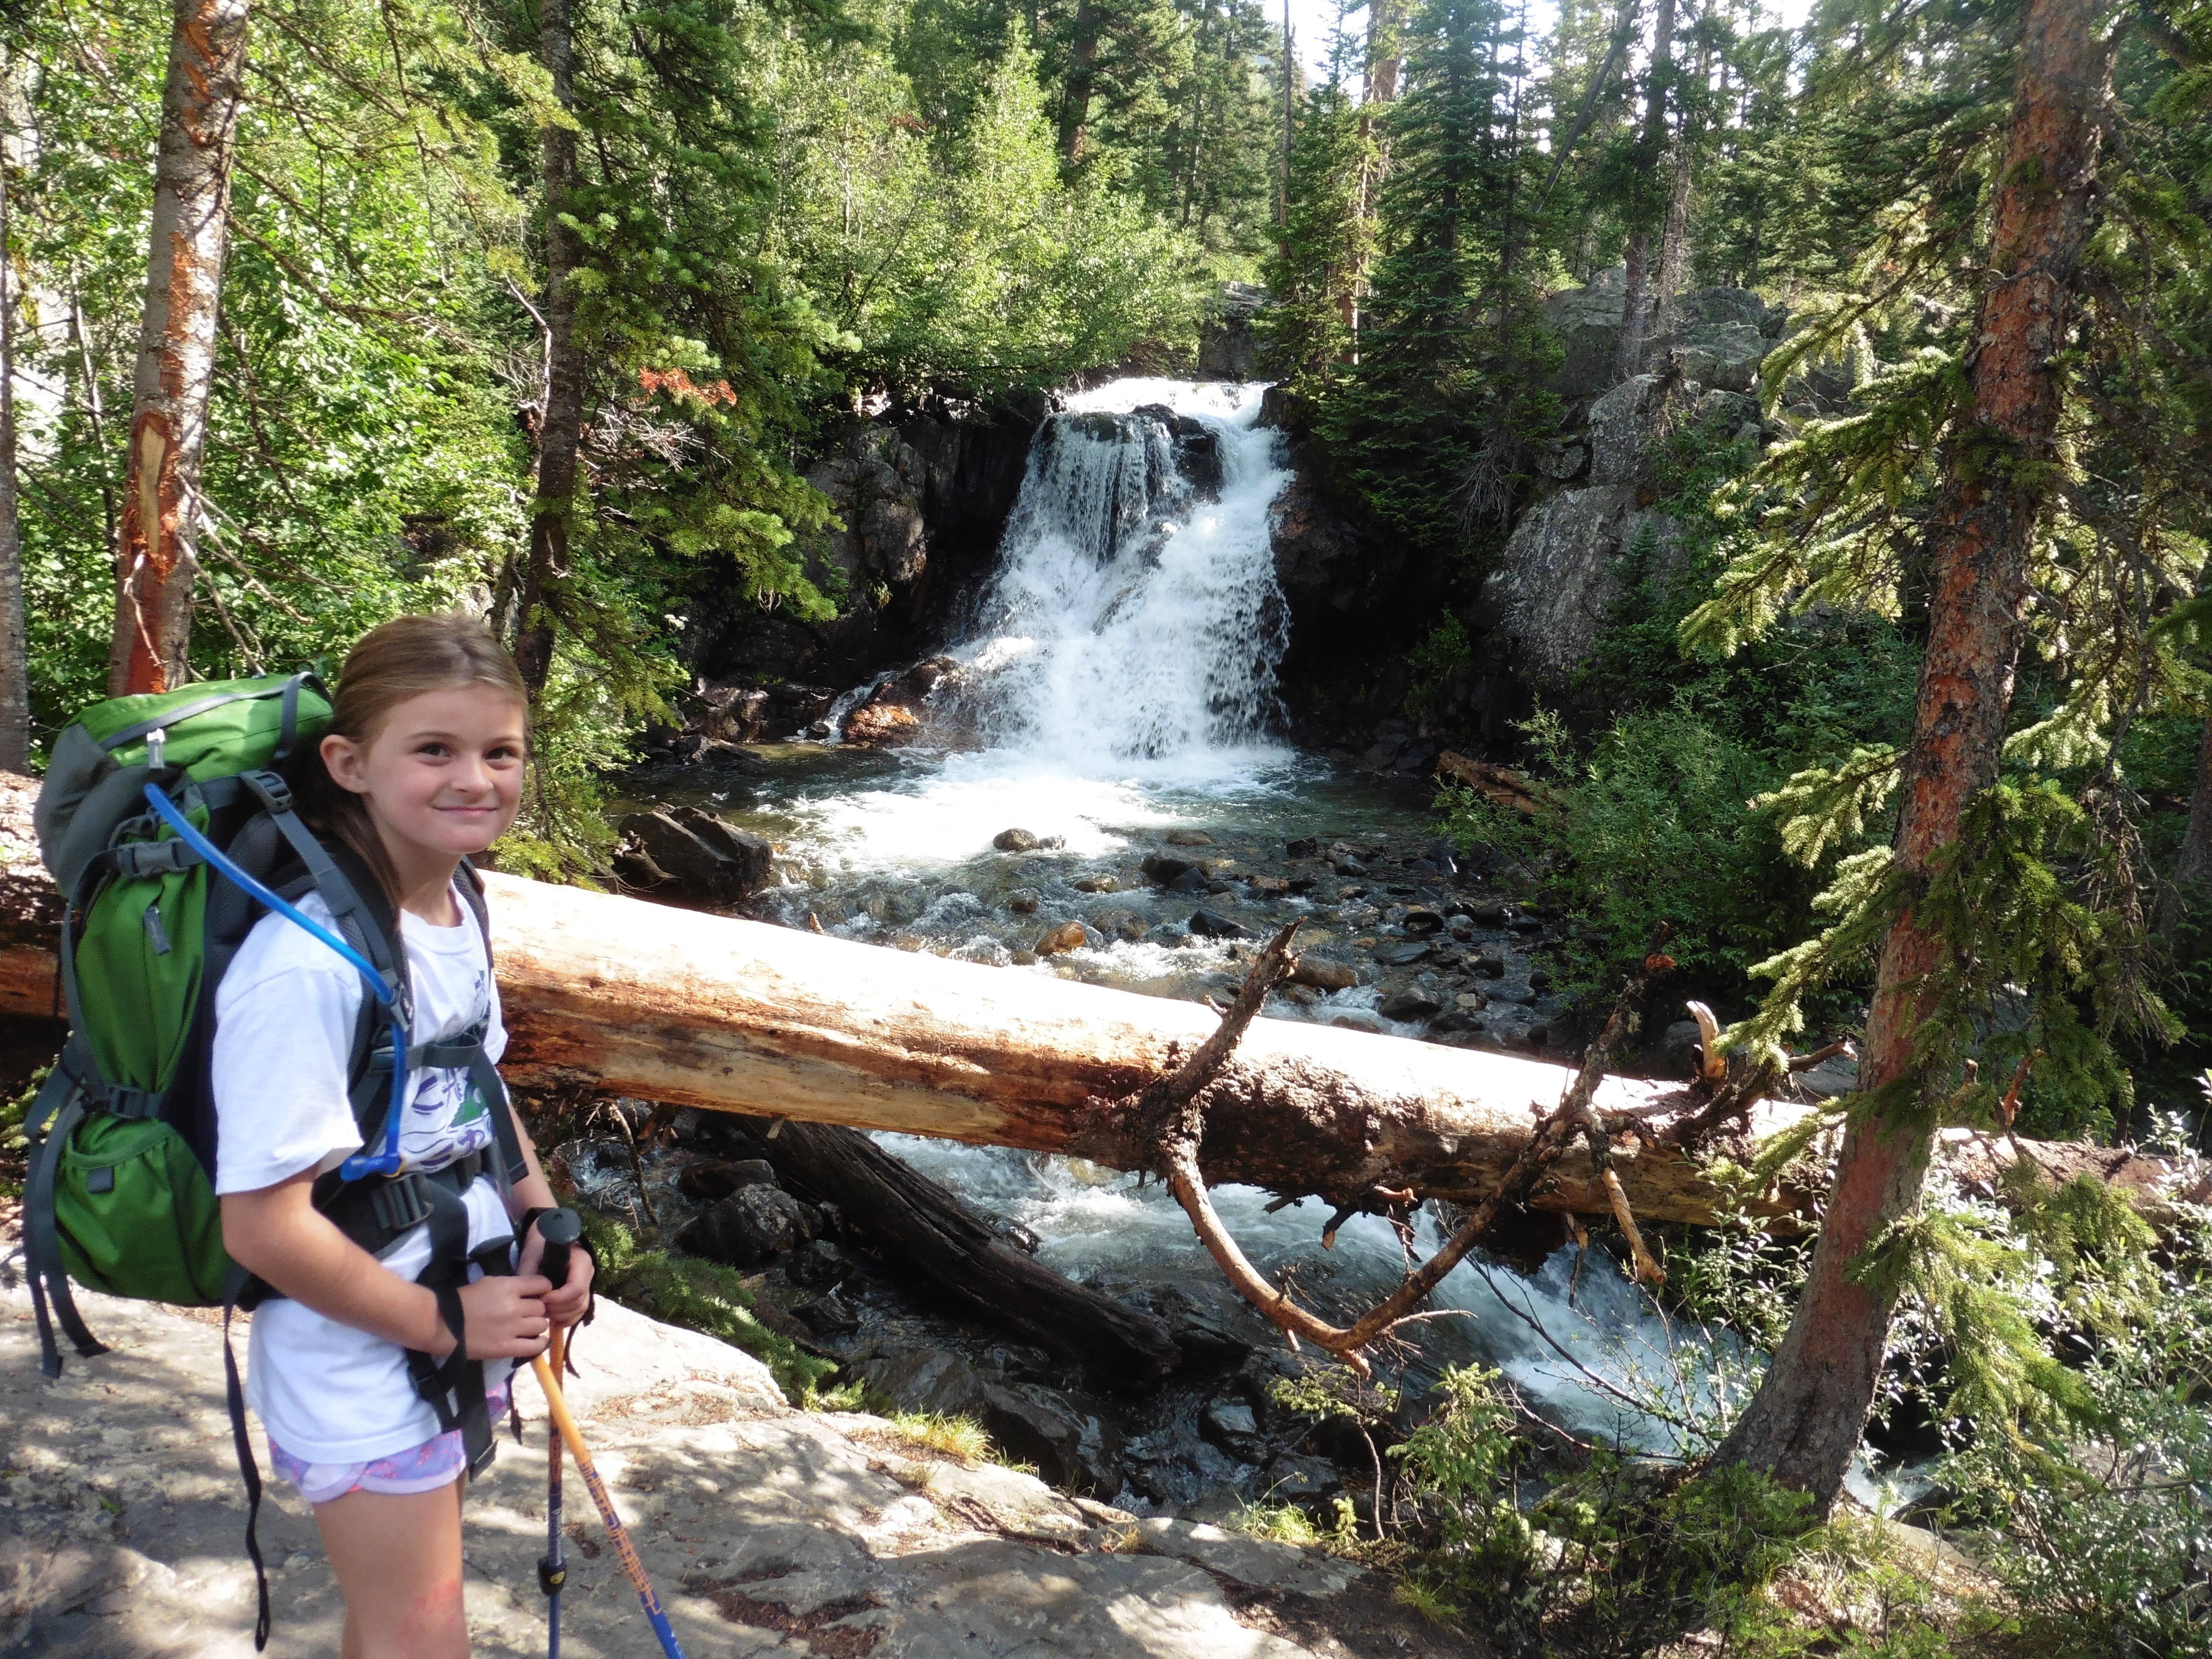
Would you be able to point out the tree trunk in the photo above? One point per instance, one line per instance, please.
(14, 656)
(616, 996)
(932, 1234)
(1681, 163)
(1629, 359)
(1075, 101)
(1805, 1422)
(560, 430)
(157, 560)
(2193, 868)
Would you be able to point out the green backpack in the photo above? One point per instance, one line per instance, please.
(121, 1195)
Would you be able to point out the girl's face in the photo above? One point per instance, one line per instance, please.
(443, 775)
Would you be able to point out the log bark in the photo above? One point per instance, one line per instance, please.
(621, 997)
(932, 1234)
(1803, 1425)
(158, 558)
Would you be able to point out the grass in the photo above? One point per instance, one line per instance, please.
(1279, 1524)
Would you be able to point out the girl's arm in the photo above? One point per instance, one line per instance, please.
(276, 1234)
(566, 1305)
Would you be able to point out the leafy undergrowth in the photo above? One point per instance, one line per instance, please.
(699, 1296)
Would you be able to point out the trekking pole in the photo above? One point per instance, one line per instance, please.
(560, 1229)
(625, 1552)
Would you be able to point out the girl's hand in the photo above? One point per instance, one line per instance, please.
(505, 1315)
(565, 1303)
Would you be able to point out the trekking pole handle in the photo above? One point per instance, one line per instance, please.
(560, 1229)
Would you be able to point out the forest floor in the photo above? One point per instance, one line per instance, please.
(764, 1529)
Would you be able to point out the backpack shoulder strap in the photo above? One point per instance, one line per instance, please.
(484, 1072)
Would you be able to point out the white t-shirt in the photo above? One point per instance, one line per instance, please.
(284, 1024)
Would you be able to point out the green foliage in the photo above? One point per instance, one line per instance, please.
(699, 1296)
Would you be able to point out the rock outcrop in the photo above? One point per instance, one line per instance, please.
(764, 1529)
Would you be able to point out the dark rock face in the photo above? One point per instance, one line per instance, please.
(711, 1182)
(690, 857)
(923, 501)
(1227, 348)
(1072, 1446)
(752, 1225)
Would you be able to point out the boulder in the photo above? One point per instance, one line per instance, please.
(1193, 883)
(1323, 973)
(1230, 1426)
(1097, 884)
(1187, 838)
(1401, 955)
(1421, 923)
(1723, 355)
(1587, 323)
(1622, 425)
(1408, 1005)
(1204, 924)
(1159, 867)
(1068, 936)
(1016, 840)
(1073, 1449)
(692, 857)
(818, 1266)
(753, 1226)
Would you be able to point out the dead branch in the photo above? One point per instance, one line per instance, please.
(1500, 783)
(1178, 1143)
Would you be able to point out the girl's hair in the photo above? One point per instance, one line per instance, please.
(396, 660)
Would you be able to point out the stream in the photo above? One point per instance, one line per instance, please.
(1112, 692)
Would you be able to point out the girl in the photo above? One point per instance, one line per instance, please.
(424, 763)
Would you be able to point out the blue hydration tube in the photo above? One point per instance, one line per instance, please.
(360, 1164)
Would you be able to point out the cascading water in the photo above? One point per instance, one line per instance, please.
(1134, 618)
(1116, 678)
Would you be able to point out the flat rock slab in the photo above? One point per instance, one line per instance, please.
(764, 1529)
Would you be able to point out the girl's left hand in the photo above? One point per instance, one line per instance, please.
(565, 1305)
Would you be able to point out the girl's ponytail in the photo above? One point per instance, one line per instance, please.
(394, 662)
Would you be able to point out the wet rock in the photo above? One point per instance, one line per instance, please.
(1195, 882)
(1540, 981)
(1401, 955)
(926, 1379)
(827, 1314)
(1356, 1023)
(1097, 884)
(818, 1266)
(1296, 1478)
(1488, 915)
(1305, 847)
(753, 1226)
(1488, 965)
(1348, 866)
(1023, 901)
(1454, 1022)
(1021, 959)
(1016, 840)
(692, 857)
(1187, 838)
(1230, 1425)
(1167, 934)
(1323, 973)
(1421, 923)
(1460, 928)
(1068, 936)
(711, 1182)
(1163, 869)
(1204, 924)
(713, 755)
(1119, 924)
(1073, 1449)
(1525, 925)
(1408, 1005)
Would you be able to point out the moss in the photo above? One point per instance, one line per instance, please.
(699, 1296)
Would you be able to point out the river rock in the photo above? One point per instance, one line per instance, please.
(1204, 924)
(711, 1182)
(1306, 846)
(1420, 923)
(1068, 936)
(827, 1314)
(1016, 840)
(752, 1225)
(1490, 965)
(1097, 884)
(818, 1265)
(692, 857)
(1187, 838)
(1401, 955)
(1023, 901)
(1407, 1005)
(1268, 886)
(1119, 924)
(1163, 869)
(1308, 1481)
(1356, 1023)
(1323, 973)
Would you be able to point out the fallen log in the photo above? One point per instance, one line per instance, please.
(618, 996)
(931, 1234)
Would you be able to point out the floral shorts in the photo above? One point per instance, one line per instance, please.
(438, 1461)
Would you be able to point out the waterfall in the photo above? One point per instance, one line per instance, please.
(1135, 616)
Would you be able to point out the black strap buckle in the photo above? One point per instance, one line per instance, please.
(131, 1104)
(153, 858)
(401, 1203)
(270, 789)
